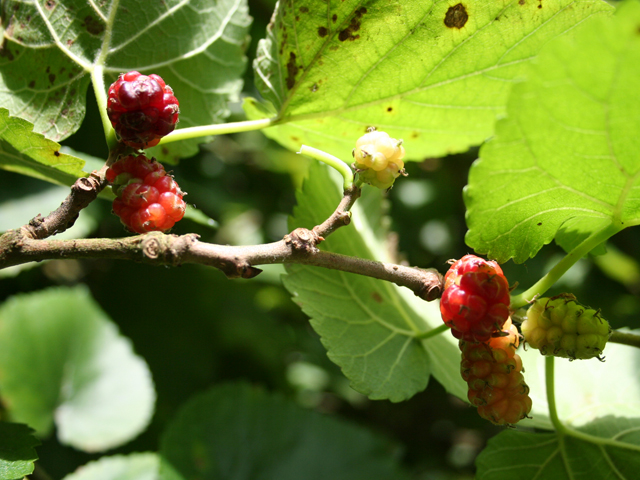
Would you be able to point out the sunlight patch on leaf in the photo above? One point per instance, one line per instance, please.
(63, 360)
(29, 153)
(434, 73)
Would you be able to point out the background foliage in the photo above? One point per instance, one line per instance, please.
(202, 337)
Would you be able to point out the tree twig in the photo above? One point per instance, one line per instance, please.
(84, 191)
(234, 261)
(28, 244)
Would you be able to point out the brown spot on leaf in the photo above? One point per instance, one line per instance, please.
(354, 25)
(376, 296)
(52, 78)
(50, 4)
(32, 84)
(56, 153)
(334, 18)
(322, 31)
(522, 2)
(304, 9)
(297, 18)
(539, 223)
(93, 25)
(389, 109)
(456, 16)
(292, 71)
(295, 139)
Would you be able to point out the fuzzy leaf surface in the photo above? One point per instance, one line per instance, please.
(238, 432)
(137, 466)
(434, 73)
(62, 360)
(17, 452)
(612, 450)
(73, 37)
(24, 151)
(368, 326)
(564, 163)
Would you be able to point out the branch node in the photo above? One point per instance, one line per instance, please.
(303, 240)
(433, 285)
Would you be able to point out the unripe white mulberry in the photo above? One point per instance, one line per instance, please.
(378, 158)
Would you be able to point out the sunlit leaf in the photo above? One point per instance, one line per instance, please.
(436, 74)
(564, 163)
(29, 153)
(62, 360)
(137, 466)
(368, 326)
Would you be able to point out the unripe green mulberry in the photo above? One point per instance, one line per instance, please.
(378, 158)
(561, 327)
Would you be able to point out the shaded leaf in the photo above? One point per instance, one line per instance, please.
(433, 73)
(17, 452)
(368, 326)
(611, 451)
(564, 162)
(237, 432)
(63, 360)
(137, 466)
(74, 37)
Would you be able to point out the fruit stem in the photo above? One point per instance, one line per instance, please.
(625, 338)
(546, 282)
(97, 79)
(335, 162)
(432, 333)
(549, 371)
(217, 129)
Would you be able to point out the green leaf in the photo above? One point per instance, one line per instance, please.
(611, 449)
(74, 37)
(368, 326)
(436, 74)
(62, 359)
(137, 466)
(564, 162)
(29, 153)
(237, 432)
(17, 454)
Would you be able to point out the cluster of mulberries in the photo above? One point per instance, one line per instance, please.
(142, 110)
(475, 305)
(147, 199)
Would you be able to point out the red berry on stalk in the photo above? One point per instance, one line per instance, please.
(147, 199)
(475, 301)
(142, 109)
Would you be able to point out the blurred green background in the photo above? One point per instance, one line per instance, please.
(196, 329)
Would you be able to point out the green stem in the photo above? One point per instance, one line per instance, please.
(549, 371)
(335, 162)
(432, 333)
(563, 265)
(625, 338)
(97, 79)
(217, 129)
